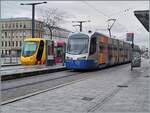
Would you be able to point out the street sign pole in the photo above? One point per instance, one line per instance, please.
(130, 37)
(132, 54)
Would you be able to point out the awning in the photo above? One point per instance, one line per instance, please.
(143, 17)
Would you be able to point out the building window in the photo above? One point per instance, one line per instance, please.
(2, 43)
(20, 25)
(16, 25)
(2, 26)
(9, 25)
(9, 34)
(5, 43)
(2, 52)
(9, 52)
(16, 43)
(20, 43)
(6, 25)
(9, 43)
(5, 52)
(24, 26)
(12, 43)
(5, 34)
(13, 25)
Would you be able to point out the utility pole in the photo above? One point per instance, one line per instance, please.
(11, 36)
(33, 14)
(132, 53)
(130, 37)
(0, 40)
(80, 24)
(109, 27)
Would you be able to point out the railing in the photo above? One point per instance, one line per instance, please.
(8, 60)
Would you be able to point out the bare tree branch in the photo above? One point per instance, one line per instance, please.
(52, 18)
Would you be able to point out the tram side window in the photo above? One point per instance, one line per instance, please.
(59, 52)
(50, 48)
(101, 48)
(93, 46)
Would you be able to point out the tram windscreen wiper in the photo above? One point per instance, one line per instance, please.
(82, 50)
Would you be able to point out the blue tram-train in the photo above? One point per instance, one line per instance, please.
(91, 51)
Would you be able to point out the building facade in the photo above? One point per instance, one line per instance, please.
(13, 31)
(58, 34)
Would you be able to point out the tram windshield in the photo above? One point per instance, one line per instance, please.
(78, 44)
(29, 48)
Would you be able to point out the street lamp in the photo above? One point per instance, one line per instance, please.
(33, 14)
(109, 27)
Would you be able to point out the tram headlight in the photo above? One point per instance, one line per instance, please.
(69, 58)
(81, 58)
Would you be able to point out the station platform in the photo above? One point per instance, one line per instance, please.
(18, 71)
(116, 89)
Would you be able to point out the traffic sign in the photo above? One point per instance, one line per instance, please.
(130, 36)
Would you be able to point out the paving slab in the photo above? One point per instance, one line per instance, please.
(98, 93)
(13, 72)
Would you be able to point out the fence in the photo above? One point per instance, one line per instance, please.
(8, 60)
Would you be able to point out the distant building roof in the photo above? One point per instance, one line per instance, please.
(143, 17)
(17, 19)
(25, 19)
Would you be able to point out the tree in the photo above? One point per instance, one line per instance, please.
(52, 18)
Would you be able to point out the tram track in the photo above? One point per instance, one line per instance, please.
(41, 91)
(37, 82)
(11, 94)
(41, 83)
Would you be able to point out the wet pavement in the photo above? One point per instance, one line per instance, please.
(4, 71)
(116, 89)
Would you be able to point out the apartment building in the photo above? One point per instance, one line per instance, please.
(13, 31)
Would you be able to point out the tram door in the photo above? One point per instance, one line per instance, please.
(40, 51)
(49, 52)
(60, 52)
(103, 54)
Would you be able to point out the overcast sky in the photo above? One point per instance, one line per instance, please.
(98, 12)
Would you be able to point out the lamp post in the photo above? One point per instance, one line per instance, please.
(33, 14)
(109, 27)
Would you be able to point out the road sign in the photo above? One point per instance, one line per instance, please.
(130, 36)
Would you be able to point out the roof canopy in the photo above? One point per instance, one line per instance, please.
(143, 17)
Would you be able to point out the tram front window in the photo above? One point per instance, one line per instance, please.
(77, 45)
(29, 48)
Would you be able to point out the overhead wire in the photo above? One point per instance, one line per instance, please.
(101, 13)
(94, 8)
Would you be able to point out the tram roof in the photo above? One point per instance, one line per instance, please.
(36, 39)
(83, 33)
(143, 17)
(88, 34)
